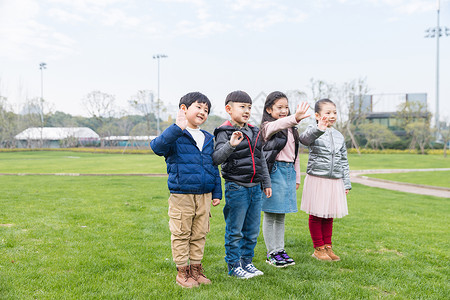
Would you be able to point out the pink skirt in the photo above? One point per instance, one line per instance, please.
(324, 197)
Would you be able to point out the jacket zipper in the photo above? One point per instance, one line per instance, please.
(203, 171)
(252, 153)
(332, 152)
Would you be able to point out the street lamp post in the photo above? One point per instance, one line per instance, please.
(437, 32)
(158, 57)
(42, 67)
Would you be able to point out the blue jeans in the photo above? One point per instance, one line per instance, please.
(242, 214)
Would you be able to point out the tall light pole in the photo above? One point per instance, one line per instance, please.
(436, 32)
(42, 66)
(158, 57)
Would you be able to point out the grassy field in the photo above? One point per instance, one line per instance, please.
(77, 162)
(441, 178)
(107, 238)
(396, 161)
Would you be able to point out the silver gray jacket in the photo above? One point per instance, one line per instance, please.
(327, 154)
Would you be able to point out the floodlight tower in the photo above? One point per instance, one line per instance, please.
(42, 67)
(158, 101)
(437, 32)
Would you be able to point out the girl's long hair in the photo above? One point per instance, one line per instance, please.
(266, 117)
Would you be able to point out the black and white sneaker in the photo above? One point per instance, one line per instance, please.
(289, 260)
(276, 260)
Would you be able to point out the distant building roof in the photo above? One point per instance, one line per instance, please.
(130, 138)
(56, 133)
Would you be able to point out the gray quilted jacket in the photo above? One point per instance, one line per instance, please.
(327, 154)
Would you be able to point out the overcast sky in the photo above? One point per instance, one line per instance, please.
(216, 47)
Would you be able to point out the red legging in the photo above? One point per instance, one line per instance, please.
(321, 230)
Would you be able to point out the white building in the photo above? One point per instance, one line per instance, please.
(56, 137)
(128, 141)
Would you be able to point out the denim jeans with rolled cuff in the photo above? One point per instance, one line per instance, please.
(242, 214)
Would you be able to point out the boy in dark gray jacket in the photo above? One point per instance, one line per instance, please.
(239, 150)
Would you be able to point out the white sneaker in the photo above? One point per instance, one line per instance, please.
(240, 273)
(250, 268)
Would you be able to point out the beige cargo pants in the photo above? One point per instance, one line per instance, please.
(189, 223)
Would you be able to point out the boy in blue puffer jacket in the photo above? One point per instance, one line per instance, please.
(194, 182)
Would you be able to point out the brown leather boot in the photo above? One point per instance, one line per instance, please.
(320, 253)
(331, 254)
(184, 277)
(197, 274)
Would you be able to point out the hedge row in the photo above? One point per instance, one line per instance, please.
(87, 150)
(396, 151)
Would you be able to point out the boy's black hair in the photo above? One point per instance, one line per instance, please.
(190, 98)
(238, 96)
(318, 105)
(270, 101)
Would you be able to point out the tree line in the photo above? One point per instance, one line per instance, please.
(413, 130)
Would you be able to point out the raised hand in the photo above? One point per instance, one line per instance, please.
(236, 138)
(322, 123)
(300, 113)
(181, 120)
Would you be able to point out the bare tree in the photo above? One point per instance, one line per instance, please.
(35, 113)
(295, 97)
(30, 116)
(353, 96)
(8, 124)
(348, 99)
(143, 103)
(99, 105)
(321, 89)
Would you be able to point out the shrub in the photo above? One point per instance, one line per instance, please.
(86, 150)
(395, 151)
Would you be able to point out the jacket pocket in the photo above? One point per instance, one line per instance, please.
(209, 223)
(175, 224)
(274, 168)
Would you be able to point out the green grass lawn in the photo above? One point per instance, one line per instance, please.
(435, 178)
(397, 161)
(77, 162)
(108, 238)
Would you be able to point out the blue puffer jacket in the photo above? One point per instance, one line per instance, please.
(190, 170)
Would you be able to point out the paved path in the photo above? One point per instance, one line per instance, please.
(357, 177)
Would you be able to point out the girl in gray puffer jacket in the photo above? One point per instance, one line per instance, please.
(328, 178)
